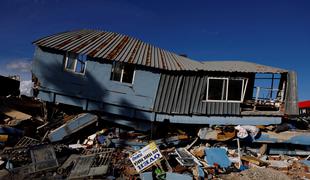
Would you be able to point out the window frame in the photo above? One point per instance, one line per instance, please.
(122, 73)
(243, 89)
(75, 63)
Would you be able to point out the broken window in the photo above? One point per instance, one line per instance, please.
(226, 89)
(75, 62)
(267, 87)
(122, 73)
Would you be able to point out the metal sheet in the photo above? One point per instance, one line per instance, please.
(179, 94)
(72, 126)
(239, 66)
(217, 156)
(118, 47)
(219, 120)
(289, 137)
(291, 98)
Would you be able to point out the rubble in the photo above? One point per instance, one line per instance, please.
(66, 143)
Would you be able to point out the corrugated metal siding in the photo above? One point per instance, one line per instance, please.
(291, 97)
(117, 47)
(185, 94)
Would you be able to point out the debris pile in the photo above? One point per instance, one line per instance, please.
(46, 141)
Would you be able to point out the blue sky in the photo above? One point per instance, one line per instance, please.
(270, 32)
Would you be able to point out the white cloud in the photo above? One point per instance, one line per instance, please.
(21, 65)
(26, 88)
(16, 66)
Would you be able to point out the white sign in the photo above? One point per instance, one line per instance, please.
(145, 157)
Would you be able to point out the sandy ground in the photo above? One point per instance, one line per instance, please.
(257, 174)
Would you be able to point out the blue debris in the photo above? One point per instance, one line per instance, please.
(242, 168)
(201, 173)
(10, 131)
(146, 176)
(173, 176)
(72, 126)
(217, 156)
(288, 137)
(306, 162)
(101, 139)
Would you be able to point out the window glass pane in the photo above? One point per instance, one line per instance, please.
(116, 72)
(234, 90)
(80, 66)
(82, 57)
(71, 61)
(217, 89)
(128, 73)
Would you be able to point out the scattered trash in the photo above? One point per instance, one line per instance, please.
(244, 131)
(57, 141)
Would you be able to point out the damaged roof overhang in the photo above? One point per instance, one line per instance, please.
(117, 47)
(240, 66)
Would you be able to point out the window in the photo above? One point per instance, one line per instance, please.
(217, 89)
(235, 87)
(226, 89)
(122, 73)
(75, 63)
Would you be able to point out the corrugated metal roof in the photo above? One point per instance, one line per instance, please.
(239, 66)
(117, 47)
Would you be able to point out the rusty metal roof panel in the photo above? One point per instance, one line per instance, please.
(239, 66)
(94, 43)
(49, 38)
(118, 47)
(80, 42)
(57, 40)
(128, 51)
(94, 48)
(123, 55)
(109, 46)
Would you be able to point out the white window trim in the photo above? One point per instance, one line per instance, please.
(122, 74)
(243, 89)
(133, 76)
(208, 82)
(75, 64)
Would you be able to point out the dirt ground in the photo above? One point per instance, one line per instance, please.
(257, 174)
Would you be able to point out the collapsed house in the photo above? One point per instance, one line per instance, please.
(129, 81)
(84, 77)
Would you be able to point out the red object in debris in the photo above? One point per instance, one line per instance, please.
(304, 104)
